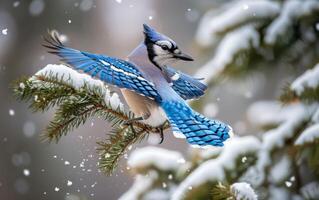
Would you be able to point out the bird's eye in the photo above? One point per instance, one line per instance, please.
(164, 47)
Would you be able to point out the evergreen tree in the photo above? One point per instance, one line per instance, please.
(279, 161)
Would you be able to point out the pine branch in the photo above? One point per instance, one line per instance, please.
(222, 191)
(308, 95)
(75, 105)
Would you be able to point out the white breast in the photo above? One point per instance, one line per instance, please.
(157, 118)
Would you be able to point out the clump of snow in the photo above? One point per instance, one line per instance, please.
(141, 184)
(280, 170)
(157, 194)
(292, 11)
(243, 191)
(214, 170)
(263, 113)
(162, 159)
(208, 153)
(309, 135)
(310, 79)
(234, 15)
(78, 80)
(234, 42)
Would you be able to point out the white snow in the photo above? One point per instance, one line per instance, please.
(209, 153)
(214, 170)
(26, 172)
(5, 31)
(309, 135)
(241, 39)
(11, 112)
(263, 113)
(234, 15)
(291, 11)
(69, 183)
(277, 137)
(280, 171)
(141, 184)
(310, 79)
(243, 191)
(160, 158)
(78, 80)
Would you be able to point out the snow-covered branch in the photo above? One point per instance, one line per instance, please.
(215, 170)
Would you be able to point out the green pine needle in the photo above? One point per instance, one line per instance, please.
(74, 106)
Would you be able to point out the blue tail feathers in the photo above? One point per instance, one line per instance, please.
(198, 129)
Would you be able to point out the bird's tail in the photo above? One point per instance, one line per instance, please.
(197, 129)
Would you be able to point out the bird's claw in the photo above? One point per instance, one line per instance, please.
(161, 135)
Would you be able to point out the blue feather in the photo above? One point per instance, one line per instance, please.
(110, 70)
(185, 85)
(198, 129)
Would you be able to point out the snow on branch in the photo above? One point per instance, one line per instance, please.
(78, 97)
(237, 14)
(291, 12)
(309, 80)
(244, 38)
(141, 184)
(269, 113)
(276, 138)
(161, 159)
(215, 170)
(242, 191)
(309, 135)
(304, 88)
(78, 80)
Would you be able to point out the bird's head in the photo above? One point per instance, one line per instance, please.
(161, 49)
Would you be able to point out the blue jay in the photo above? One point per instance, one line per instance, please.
(153, 91)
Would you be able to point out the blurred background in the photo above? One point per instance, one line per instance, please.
(30, 169)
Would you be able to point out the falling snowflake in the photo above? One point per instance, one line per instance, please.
(26, 172)
(69, 183)
(5, 31)
(11, 112)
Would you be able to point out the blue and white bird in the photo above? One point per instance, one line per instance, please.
(154, 91)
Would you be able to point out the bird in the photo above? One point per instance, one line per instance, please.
(153, 90)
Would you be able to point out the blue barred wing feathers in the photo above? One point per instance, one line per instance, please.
(111, 70)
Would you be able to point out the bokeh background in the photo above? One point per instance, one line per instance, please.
(30, 169)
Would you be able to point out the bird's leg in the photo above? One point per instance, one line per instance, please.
(130, 121)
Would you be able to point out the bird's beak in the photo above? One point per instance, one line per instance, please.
(183, 56)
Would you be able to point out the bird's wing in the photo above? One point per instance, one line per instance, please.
(113, 71)
(197, 129)
(185, 85)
